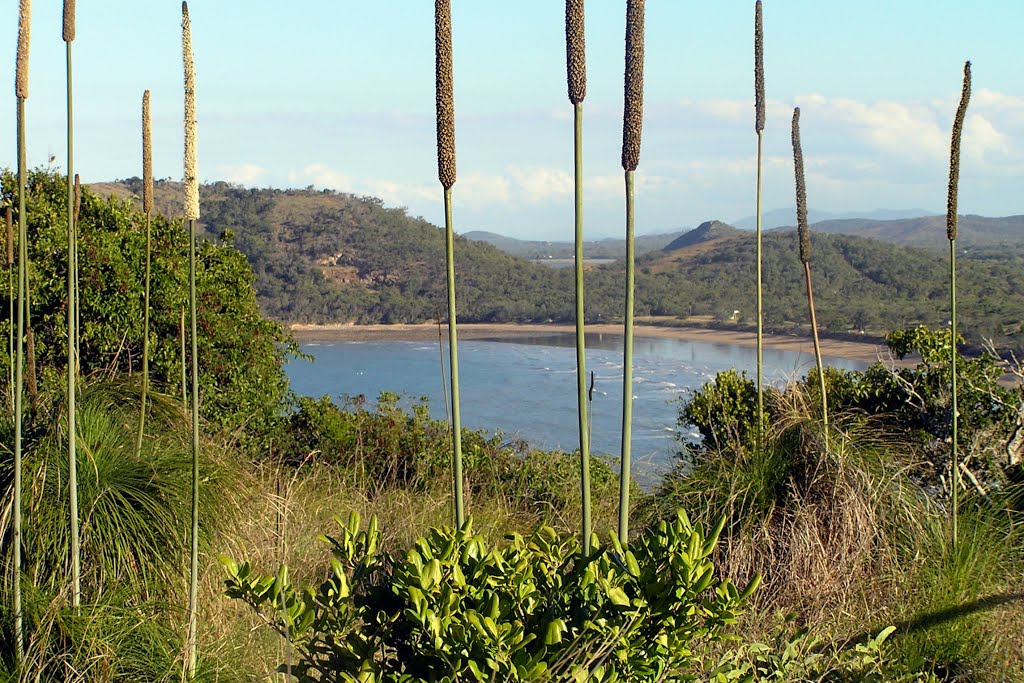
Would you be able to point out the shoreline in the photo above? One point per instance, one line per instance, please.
(344, 332)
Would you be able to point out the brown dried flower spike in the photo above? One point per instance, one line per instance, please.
(69, 20)
(191, 163)
(954, 154)
(759, 105)
(78, 197)
(803, 231)
(445, 93)
(147, 156)
(633, 110)
(575, 50)
(24, 35)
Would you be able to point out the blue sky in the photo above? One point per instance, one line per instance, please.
(340, 94)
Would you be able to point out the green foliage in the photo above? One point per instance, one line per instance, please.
(240, 352)
(532, 610)
(724, 411)
(912, 401)
(796, 654)
(384, 445)
(130, 506)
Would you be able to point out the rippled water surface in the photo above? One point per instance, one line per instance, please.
(526, 387)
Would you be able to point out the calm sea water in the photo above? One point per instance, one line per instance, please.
(526, 388)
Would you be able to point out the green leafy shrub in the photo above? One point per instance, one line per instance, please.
(241, 353)
(533, 609)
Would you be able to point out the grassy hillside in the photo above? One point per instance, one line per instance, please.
(324, 256)
(608, 247)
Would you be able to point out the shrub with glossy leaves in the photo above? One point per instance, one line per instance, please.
(534, 609)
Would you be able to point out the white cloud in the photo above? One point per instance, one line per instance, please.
(320, 174)
(242, 174)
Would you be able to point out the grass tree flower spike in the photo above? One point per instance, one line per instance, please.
(951, 220)
(576, 72)
(632, 125)
(191, 215)
(759, 117)
(804, 236)
(76, 564)
(21, 92)
(445, 100)
(147, 207)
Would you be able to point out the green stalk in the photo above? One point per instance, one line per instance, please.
(78, 307)
(21, 91)
(10, 303)
(577, 84)
(181, 337)
(147, 205)
(804, 234)
(453, 361)
(954, 465)
(193, 586)
(951, 230)
(632, 125)
(192, 215)
(627, 370)
(445, 100)
(76, 555)
(759, 118)
(19, 376)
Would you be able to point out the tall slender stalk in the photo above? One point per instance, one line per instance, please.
(184, 363)
(951, 226)
(192, 215)
(21, 92)
(9, 217)
(804, 234)
(78, 307)
(759, 117)
(445, 99)
(576, 67)
(632, 124)
(147, 206)
(76, 556)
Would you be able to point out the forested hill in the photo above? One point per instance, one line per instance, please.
(329, 257)
(980, 236)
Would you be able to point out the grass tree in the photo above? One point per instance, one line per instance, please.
(76, 556)
(632, 124)
(21, 92)
(191, 216)
(576, 68)
(147, 207)
(445, 99)
(759, 117)
(951, 201)
(804, 234)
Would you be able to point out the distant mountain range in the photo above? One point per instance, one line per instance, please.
(781, 218)
(978, 236)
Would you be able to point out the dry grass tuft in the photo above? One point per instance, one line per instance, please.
(445, 93)
(633, 110)
(575, 50)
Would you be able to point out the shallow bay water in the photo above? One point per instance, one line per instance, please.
(525, 388)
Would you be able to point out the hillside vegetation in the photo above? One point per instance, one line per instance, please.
(321, 256)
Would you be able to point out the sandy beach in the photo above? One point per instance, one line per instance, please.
(349, 332)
